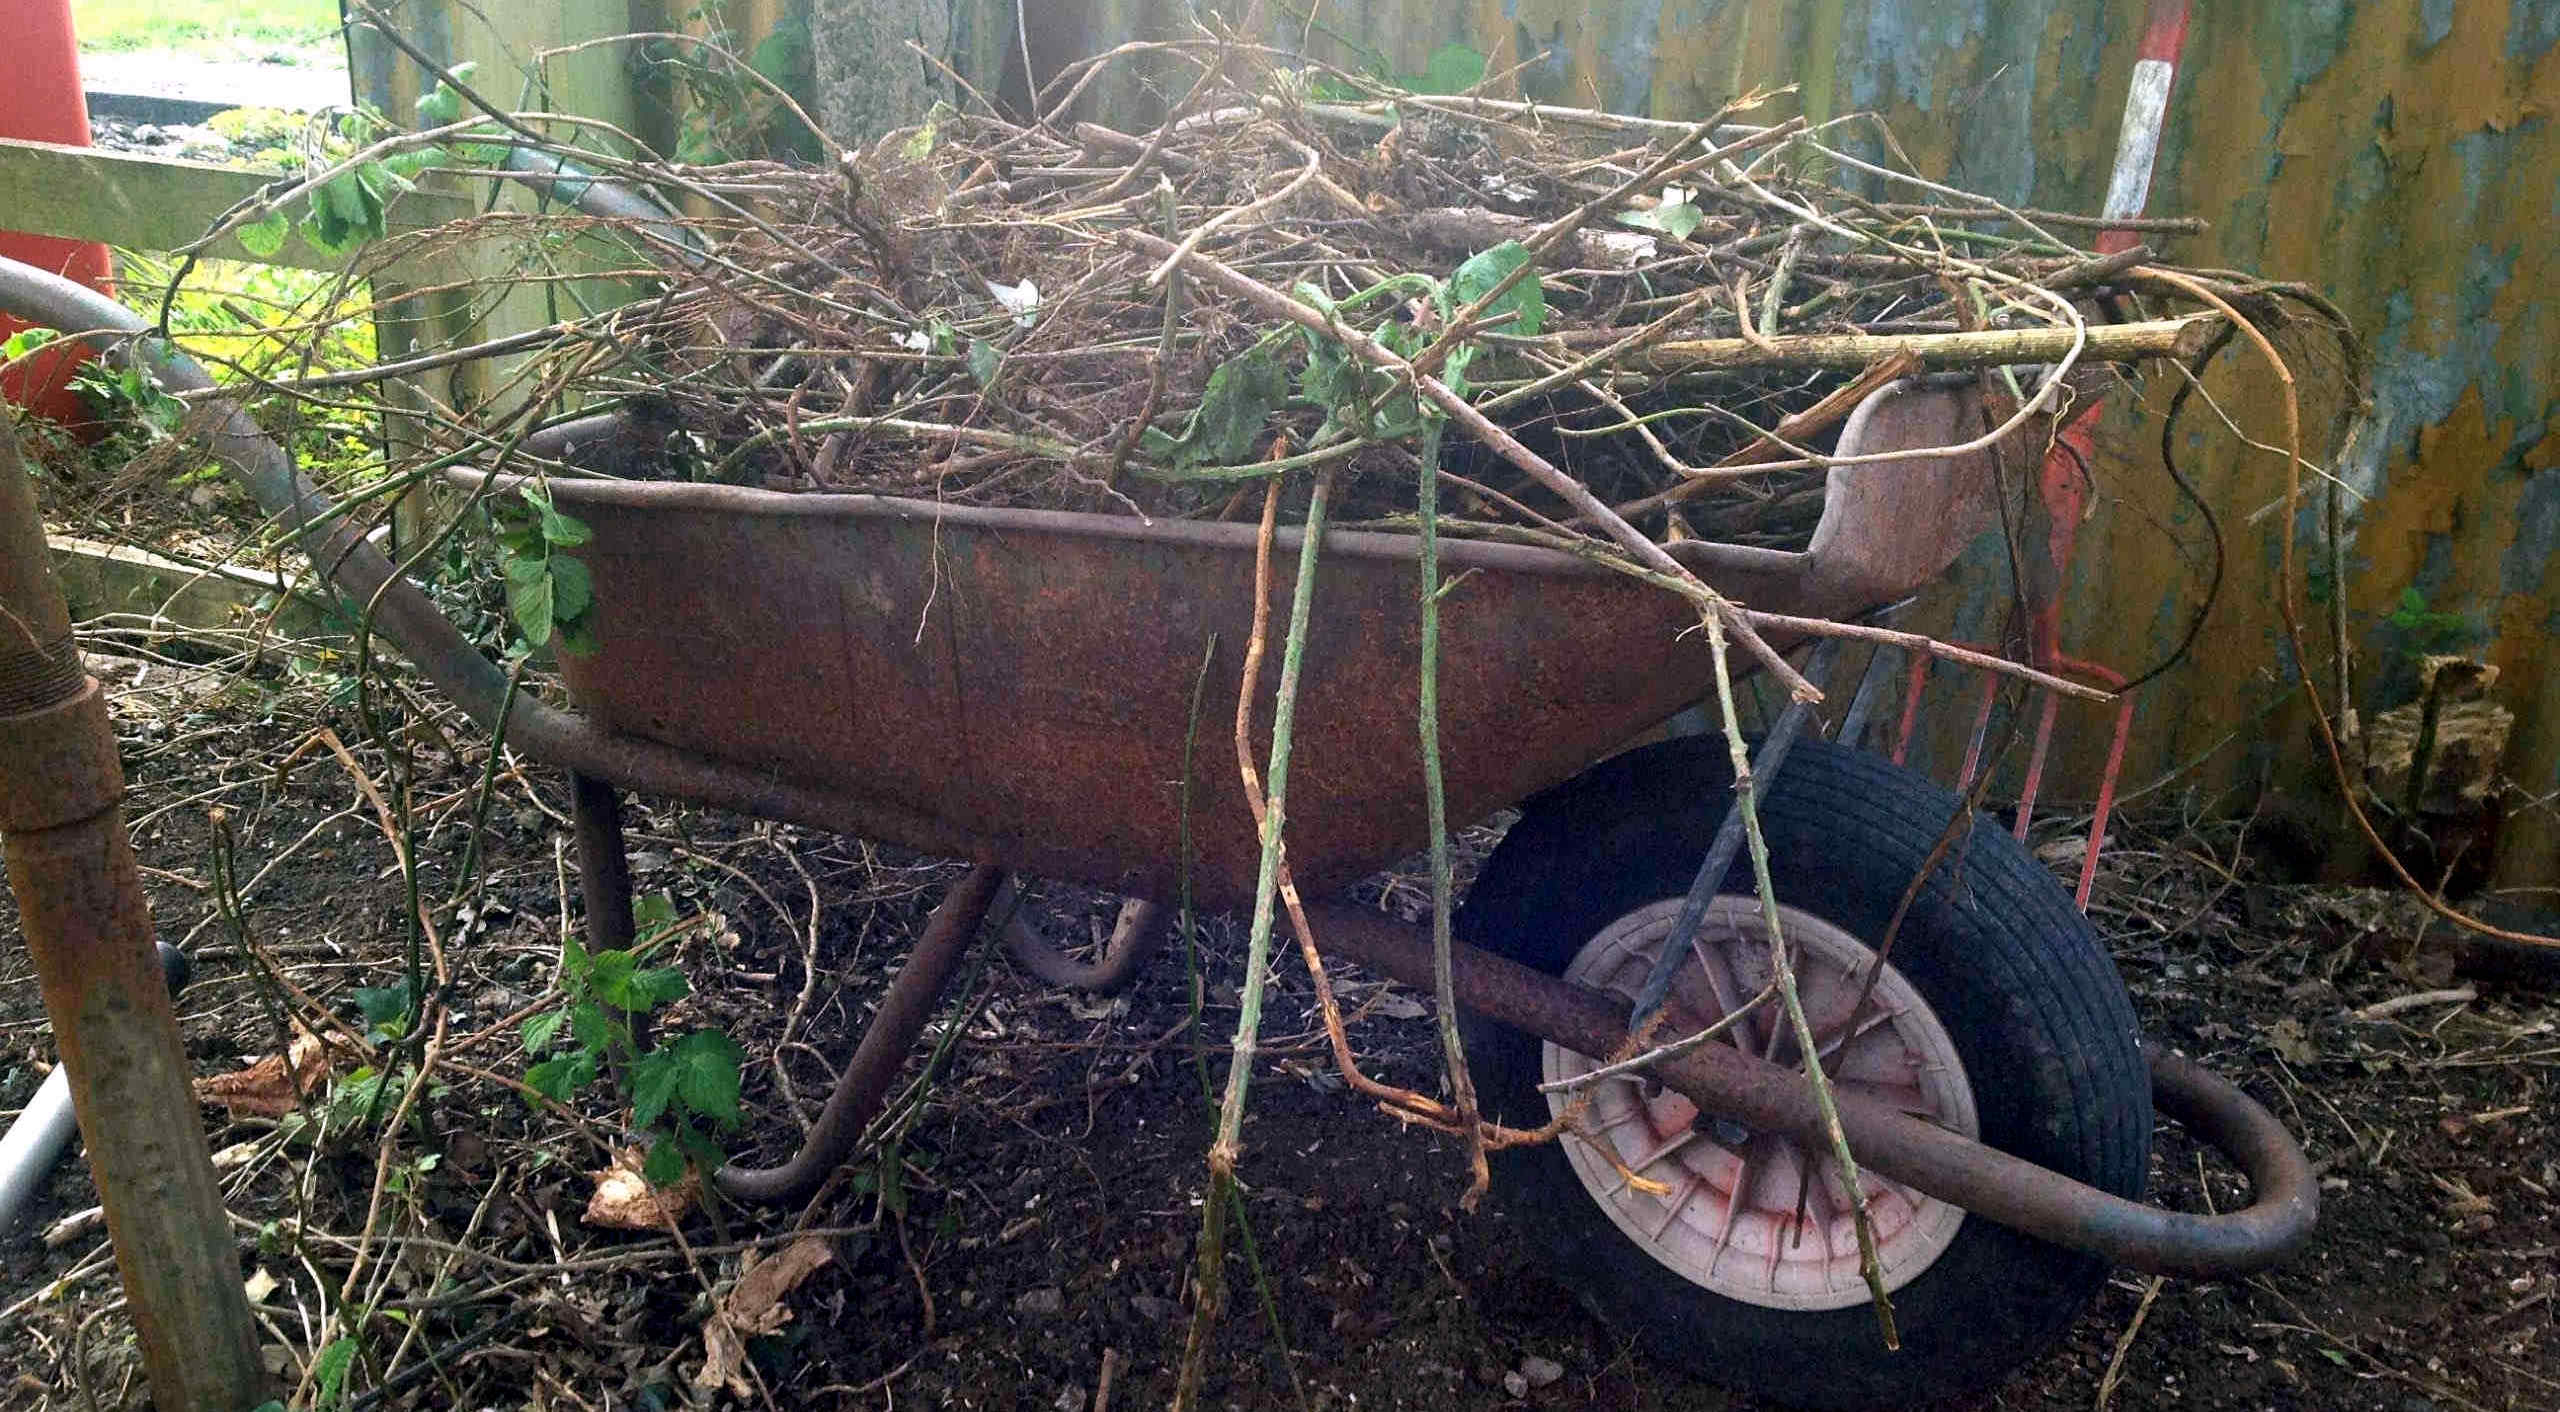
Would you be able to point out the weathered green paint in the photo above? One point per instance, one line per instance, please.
(2402, 157)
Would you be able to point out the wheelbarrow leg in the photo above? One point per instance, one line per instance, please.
(604, 867)
(884, 1048)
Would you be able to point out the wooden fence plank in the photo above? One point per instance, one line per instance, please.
(159, 203)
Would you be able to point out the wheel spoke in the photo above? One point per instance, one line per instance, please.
(1664, 1149)
(1688, 1187)
(1733, 1199)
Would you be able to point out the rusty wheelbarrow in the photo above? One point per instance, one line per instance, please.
(1014, 688)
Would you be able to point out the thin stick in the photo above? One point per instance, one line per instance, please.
(1660, 1052)
(1462, 1084)
(2124, 1341)
(1223, 1151)
(1782, 970)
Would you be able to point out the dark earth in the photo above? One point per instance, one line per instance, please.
(1039, 1220)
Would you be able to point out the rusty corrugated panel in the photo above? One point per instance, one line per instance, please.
(2405, 158)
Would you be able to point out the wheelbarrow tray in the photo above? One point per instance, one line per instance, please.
(1027, 679)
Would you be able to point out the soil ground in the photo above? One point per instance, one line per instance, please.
(1039, 1217)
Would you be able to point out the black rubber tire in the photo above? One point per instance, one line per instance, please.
(2014, 972)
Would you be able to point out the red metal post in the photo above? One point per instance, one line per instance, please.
(81, 908)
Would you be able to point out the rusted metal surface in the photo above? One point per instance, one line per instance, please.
(604, 867)
(957, 664)
(884, 1048)
(88, 931)
(2284, 1195)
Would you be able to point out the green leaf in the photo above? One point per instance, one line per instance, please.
(1484, 270)
(590, 1027)
(664, 985)
(382, 182)
(529, 597)
(26, 341)
(557, 528)
(654, 1077)
(322, 231)
(919, 144)
(984, 362)
(1452, 68)
(265, 236)
(542, 1031)
(1240, 397)
(705, 1153)
(386, 1007)
(653, 912)
(412, 162)
(707, 1065)
(620, 983)
(329, 1371)
(559, 1077)
(609, 974)
(1672, 218)
(443, 104)
(572, 590)
(665, 1164)
(520, 541)
(579, 639)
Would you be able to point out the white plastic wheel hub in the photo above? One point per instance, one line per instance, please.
(1755, 1216)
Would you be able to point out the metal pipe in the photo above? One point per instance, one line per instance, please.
(88, 931)
(884, 1048)
(1135, 937)
(1982, 1180)
(45, 1127)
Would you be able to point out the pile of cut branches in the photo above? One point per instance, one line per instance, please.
(1297, 269)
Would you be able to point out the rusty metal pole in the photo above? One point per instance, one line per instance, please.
(81, 909)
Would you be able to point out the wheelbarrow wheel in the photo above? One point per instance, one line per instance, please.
(1734, 1252)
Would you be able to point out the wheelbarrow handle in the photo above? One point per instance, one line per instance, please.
(404, 614)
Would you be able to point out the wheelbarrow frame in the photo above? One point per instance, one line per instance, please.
(1764, 1095)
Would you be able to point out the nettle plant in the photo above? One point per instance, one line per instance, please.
(548, 591)
(681, 1087)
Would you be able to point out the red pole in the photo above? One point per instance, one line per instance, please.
(42, 101)
(2065, 481)
(88, 930)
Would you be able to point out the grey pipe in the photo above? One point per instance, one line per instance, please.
(45, 1127)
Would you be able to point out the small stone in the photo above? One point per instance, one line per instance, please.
(146, 133)
(1515, 1384)
(1042, 1302)
(1541, 1372)
(1069, 1400)
(1153, 1308)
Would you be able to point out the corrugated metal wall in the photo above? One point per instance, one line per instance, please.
(2402, 155)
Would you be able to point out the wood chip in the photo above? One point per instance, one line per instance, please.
(754, 1308)
(624, 1200)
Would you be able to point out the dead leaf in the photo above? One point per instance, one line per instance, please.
(1396, 1005)
(2292, 1041)
(755, 1308)
(264, 1089)
(624, 1200)
(259, 1285)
